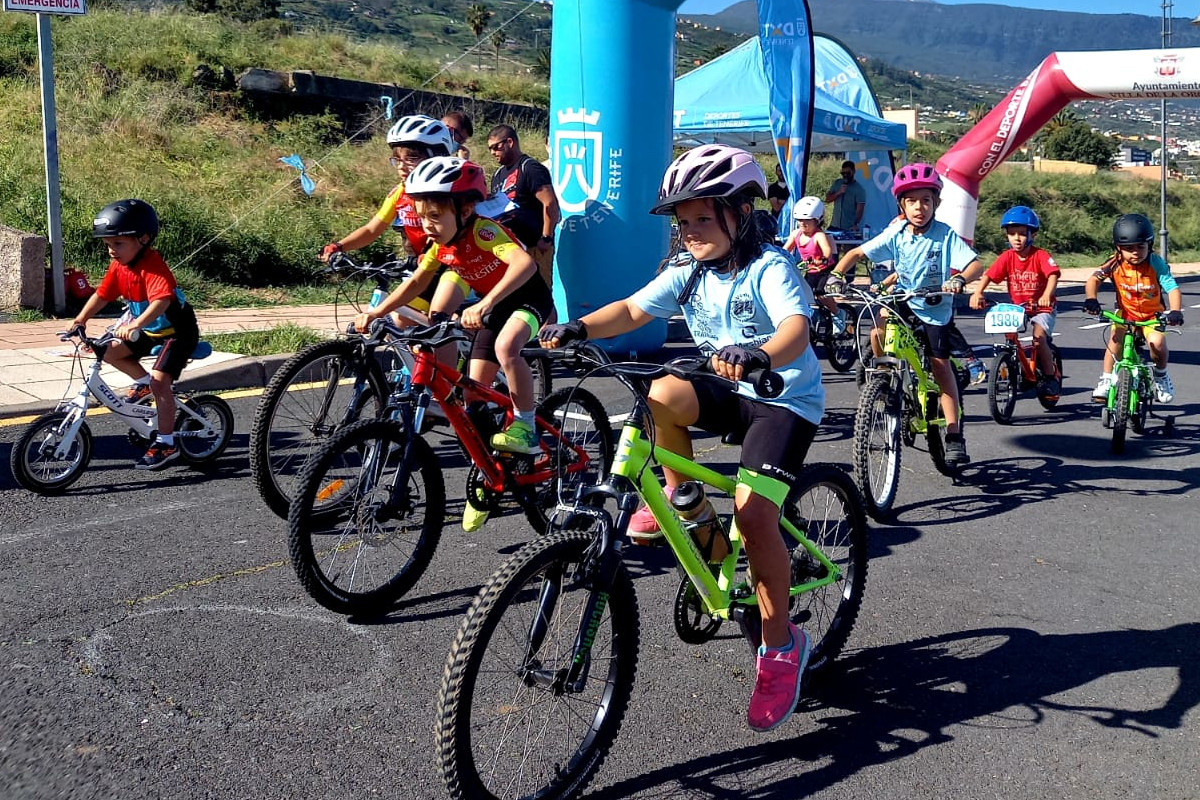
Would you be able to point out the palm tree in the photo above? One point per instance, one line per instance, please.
(977, 112)
(498, 41)
(541, 65)
(1063, 119)
(477, 19)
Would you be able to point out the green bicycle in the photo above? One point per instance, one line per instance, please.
(1130, 400)
(540, 673)
(900, 401)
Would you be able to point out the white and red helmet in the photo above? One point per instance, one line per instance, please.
(418, 130)
(447, 175)
(713, 170)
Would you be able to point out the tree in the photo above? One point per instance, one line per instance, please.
(499, 39)
(249, 10)
(1080, 143)
(1063, 119)
(541, 65)
(977, 112)
(477, 20)
(199, 6)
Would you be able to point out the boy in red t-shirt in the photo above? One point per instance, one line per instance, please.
(1032, 277)
(156, 308)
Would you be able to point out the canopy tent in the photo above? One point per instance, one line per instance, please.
(726, 101)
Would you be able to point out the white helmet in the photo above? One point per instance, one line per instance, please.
(809, 208)
(418, 130)
(713, 170)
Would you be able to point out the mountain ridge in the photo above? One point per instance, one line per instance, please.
(983, 42)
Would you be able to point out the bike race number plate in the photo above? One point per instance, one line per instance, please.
(1004, 318)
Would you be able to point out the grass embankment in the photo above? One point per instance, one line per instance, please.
(236, 227)
(286, 338)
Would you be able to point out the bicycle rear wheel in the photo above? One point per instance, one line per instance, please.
(841, 349)
(319, 390)
(507, 726)
(1052, 401)
(1120, 412)
(828, 509)
(195, 446)
(877, 448)
(580, 418)
(362, 530)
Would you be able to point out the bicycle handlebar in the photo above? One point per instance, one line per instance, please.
(340, 263)
(108, 337)
(767, 383)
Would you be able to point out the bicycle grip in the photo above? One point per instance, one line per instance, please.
(766, 382)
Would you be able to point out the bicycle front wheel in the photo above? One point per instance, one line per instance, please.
(577, 443)
(827, 508)
(365, 521)
(319, 390)
(1002, 387)
(507, 724)
(877, 449)
(1120, 412)
(35, 461)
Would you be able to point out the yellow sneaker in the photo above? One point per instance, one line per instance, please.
(473, 518)
(516, 438)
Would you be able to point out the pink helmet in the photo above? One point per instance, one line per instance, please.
(917, 175)
(713, 170)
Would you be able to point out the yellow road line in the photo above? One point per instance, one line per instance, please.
(101, 410)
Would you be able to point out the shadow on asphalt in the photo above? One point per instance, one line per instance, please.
(888, 703)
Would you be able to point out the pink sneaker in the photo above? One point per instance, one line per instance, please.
(643, 522)
(777, 688)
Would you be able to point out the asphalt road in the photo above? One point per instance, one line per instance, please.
(1031, 632)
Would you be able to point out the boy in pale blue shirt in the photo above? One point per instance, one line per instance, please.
(927, 254)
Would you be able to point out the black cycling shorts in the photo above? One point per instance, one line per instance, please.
(775, 440)
(532, 297)
(176, 350)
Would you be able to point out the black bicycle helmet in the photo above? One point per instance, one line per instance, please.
(1132, 229)
(126, 218)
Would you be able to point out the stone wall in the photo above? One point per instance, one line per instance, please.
(280, 94)
(22, 269)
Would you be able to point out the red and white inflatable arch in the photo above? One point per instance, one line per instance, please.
(1061, 78)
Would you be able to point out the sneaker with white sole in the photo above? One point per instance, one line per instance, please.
(1106, 383)
(1164, 390)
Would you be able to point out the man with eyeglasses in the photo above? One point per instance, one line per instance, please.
(528, 184)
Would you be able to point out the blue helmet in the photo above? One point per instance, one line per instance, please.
(1021, 215)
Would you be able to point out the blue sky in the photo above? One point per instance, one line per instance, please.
(1149, 8)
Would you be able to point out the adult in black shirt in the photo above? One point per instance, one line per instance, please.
(528, 184)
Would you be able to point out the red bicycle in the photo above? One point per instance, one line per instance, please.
(370, 504)
(1014, 368)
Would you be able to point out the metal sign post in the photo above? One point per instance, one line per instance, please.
(43, 8)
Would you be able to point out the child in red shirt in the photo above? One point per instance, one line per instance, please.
(158, 314)
(1032, 277)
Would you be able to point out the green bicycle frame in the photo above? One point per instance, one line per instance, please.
(1130, 360)
(632, 460)
(900, 347)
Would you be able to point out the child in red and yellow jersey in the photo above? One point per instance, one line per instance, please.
(481, 255)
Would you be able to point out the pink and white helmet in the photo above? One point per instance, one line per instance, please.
(917, 175)
(712, 170)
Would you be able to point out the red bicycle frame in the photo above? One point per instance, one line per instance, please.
(440, 380)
